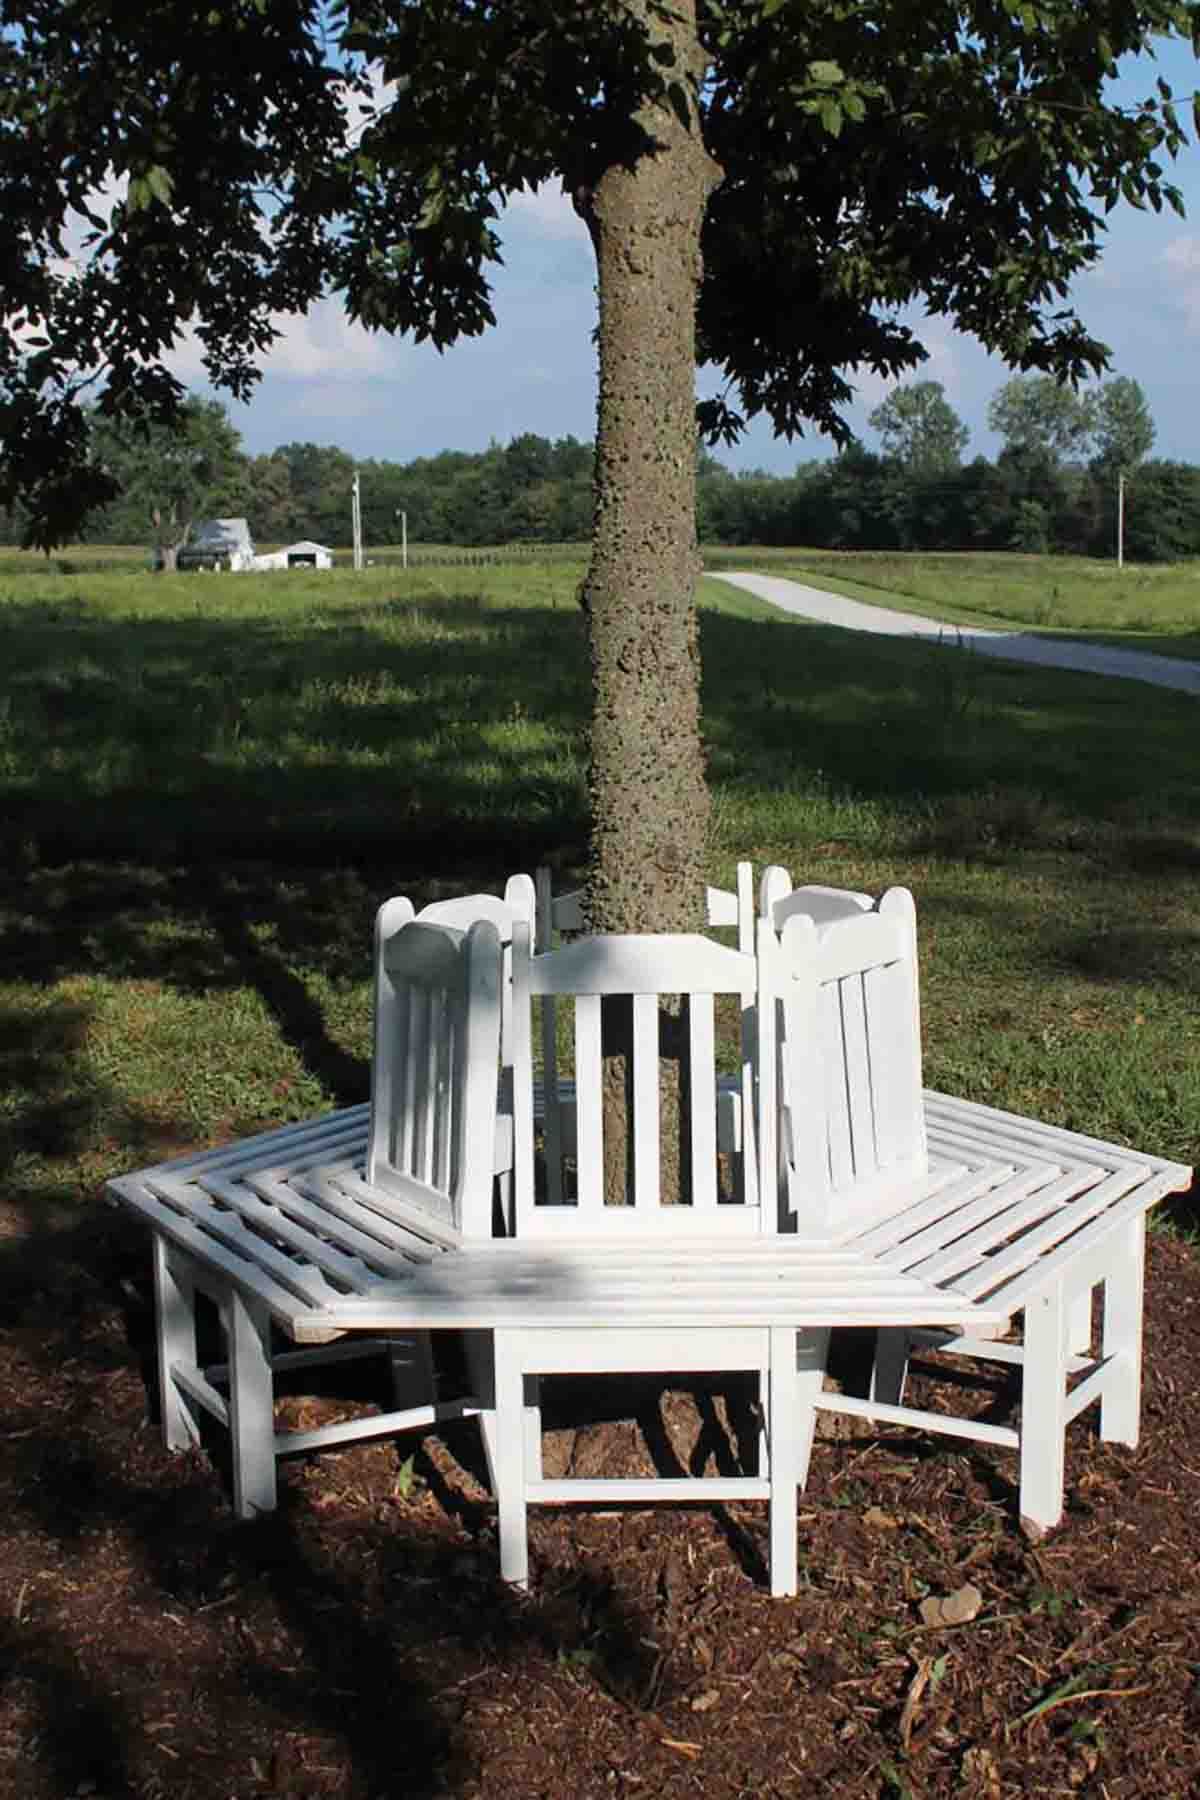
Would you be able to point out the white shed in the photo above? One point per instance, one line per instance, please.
(304, 555)
(307, 555)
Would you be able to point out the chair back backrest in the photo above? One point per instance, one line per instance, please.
(586, 980)
(431, 1143)
(556, 914)
(848, 1109)
(518, 901)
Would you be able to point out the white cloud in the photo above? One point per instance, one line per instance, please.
(546, 212)
(1181, 260)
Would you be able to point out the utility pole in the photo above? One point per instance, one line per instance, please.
(403, 518)
(1121, 519)
(356, 520)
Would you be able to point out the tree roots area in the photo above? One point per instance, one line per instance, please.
(358, 1643)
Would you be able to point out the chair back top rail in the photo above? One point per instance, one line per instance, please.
(556, 913)
(778, 899)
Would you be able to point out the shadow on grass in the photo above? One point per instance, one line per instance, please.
(410, 729)
(789, 705)
(374, 730)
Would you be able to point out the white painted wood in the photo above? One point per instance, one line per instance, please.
(198, 1389)
(1044, 1407)
(660, 1489)
(175, 1329)
(433, 1135)
(1032, 1218)
(228, 1222)
(1124, 1288)
(509, 1454)
(779, 900)
(641, 969)
(251, 1412)
(852, 1142)
(945, 1424)
(969, 1216)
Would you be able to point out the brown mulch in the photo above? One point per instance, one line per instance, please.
(357, 1645)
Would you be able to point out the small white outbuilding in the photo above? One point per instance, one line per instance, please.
(304, 555)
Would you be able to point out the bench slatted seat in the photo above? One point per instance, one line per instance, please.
(1008, 1211)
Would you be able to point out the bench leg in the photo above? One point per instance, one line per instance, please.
(787, 1430)
(175, 1330)
(890, 1370)
(509, 1455)
(251, 1406)
(411, 1363)
(1044, 1407)
(796, 1376)
(1124, 1289)
(812, 1354)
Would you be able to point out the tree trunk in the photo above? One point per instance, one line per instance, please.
(649, 801)
(168, 558)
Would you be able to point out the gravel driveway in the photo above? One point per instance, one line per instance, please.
(1013, 646)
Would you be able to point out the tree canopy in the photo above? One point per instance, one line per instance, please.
(1123, 429)
(171, 474)
(1039, 417)
(767, 184)
(918, 426)
(161, 170)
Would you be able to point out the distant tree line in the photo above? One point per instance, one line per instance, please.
(1054, 486)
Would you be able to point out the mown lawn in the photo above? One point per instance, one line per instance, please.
(208, 784)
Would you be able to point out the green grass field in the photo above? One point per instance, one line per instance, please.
(209, 783)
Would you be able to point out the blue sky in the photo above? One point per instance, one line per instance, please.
(329, 383)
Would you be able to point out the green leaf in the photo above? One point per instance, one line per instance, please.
(826, 74)
(831, 117)
(160, 184)
(431, 212)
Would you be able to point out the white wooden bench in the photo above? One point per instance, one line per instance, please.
(996, 1208)
(367, 1224)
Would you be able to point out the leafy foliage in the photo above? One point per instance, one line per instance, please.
(872, 154)
(920, 428)
(1042, 418)
(170, 474)
(1124, 429)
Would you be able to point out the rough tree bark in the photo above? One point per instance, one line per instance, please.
(650, 804)
(649, 800)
